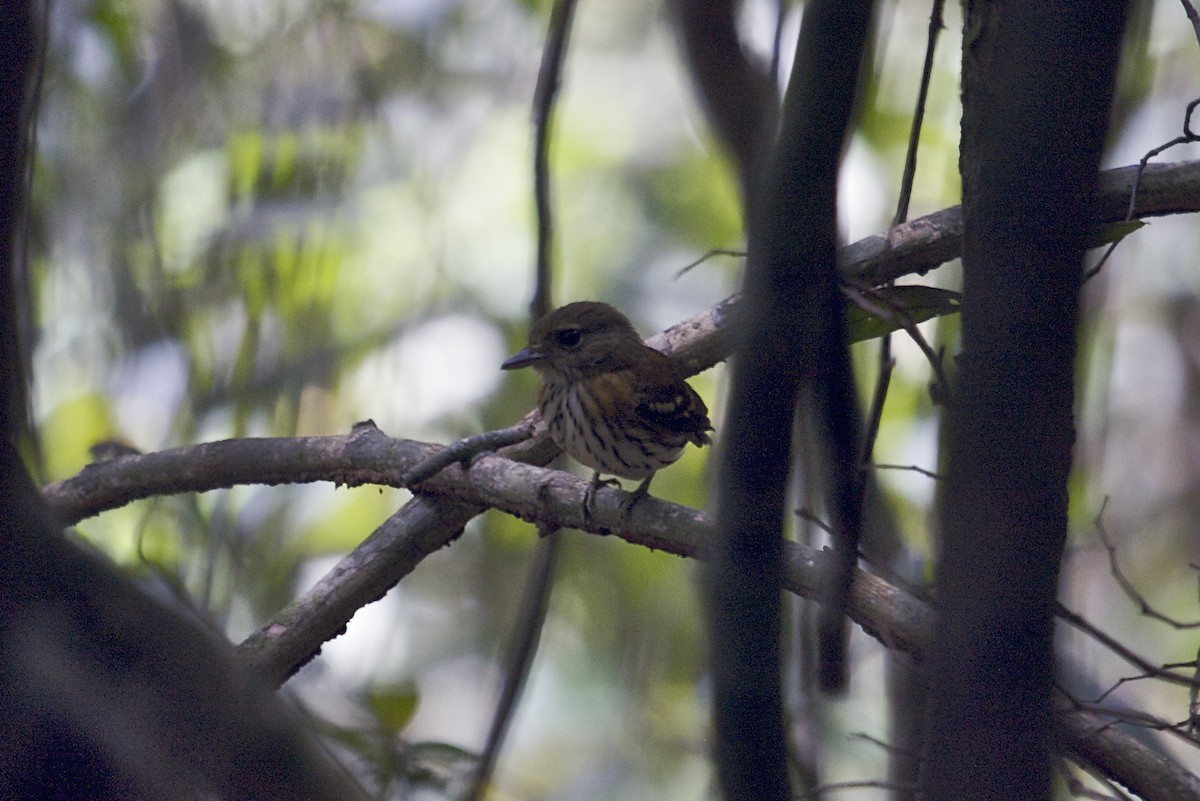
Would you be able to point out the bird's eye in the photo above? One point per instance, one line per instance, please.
(567, 338)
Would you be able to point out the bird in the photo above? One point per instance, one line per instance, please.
(610, 401)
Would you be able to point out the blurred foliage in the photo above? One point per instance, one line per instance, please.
(281, 217)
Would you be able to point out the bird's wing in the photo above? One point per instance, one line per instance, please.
(664, 400)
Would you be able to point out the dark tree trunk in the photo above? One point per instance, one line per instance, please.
(791, 334)
(1037, 86)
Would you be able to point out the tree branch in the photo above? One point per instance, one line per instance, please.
(926, 243)
(896, 618)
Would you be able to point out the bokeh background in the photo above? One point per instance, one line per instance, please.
(280, 217)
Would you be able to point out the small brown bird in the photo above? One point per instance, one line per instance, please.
(609, 400)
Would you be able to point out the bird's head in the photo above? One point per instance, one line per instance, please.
(579, 340)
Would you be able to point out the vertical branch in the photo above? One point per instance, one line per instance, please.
(535, 601)
(792, 322)
(738, 96)
(1037, 88)
(544, 96)
(531, 617)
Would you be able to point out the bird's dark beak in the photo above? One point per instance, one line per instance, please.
(523, 358)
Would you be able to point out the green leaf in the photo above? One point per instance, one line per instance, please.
(1112, 232)
(874, 313)
(393, 706)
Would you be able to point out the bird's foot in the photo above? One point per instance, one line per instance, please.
(627, 505)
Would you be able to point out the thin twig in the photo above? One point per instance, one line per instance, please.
(914, 468)
(1133, 717)
(1187, 136)
(1118, 684)
(714, 252)
(936, 24)
(466, 449)
(1151, 670)
(808, 516)
(1130, 591)
(883, 744)
(1091, 273)
(1193, 18)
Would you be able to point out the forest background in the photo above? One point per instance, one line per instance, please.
(280, 218)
